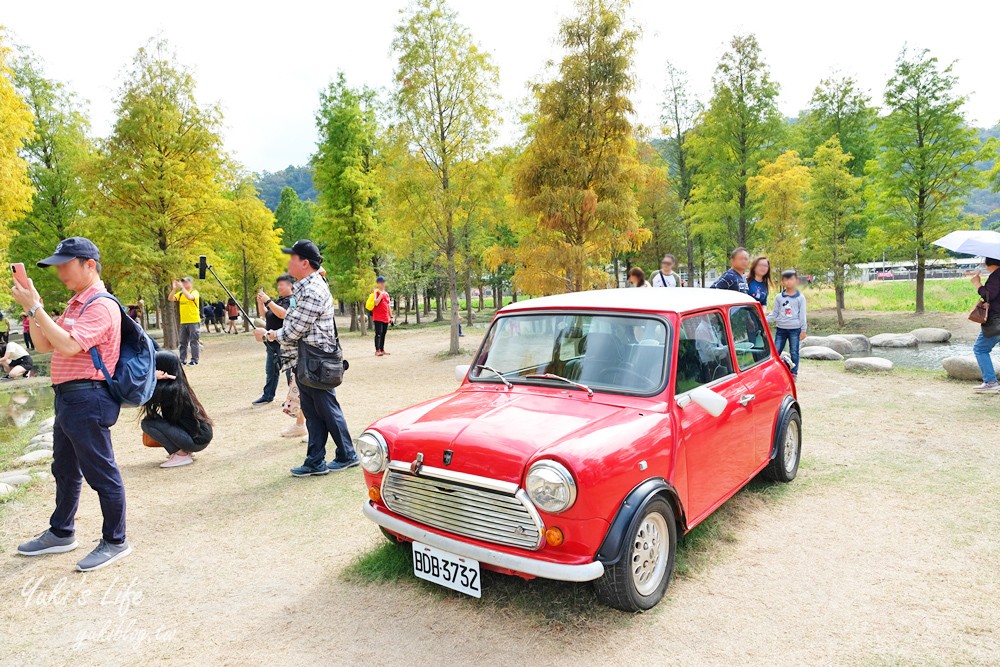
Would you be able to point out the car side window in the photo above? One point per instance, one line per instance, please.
(749, 339)
(703, 354)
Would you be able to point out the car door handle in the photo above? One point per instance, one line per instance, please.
(746, 398)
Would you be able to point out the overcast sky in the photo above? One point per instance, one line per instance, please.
(266, 62)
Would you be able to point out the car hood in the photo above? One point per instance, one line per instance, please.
(492, 434)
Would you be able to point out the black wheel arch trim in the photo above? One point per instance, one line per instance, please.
(788, 404)
(613, 547)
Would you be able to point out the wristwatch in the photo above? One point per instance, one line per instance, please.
(268, 302)
(34, 309)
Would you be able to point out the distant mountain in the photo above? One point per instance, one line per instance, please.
(271, 184)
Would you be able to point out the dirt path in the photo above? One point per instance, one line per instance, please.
(883, 552)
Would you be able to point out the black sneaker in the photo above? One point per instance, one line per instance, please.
(262, 401)
(337, 466)
(308, 471)
(193, 363)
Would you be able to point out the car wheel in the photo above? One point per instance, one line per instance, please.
(639, 579)
(788, 448)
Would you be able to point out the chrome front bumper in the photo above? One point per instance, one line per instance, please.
(531, 566)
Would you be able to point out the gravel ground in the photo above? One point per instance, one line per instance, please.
(883, 552)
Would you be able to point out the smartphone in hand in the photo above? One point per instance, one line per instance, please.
(20, 275)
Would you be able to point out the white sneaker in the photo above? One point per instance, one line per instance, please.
(177, 460)
(987, 387)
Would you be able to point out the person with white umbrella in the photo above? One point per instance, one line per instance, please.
(987, 244)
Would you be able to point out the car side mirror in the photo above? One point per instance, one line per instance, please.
(712, 402)
(461, 371)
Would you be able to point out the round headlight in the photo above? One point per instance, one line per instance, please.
(550, 486)
(373, 451)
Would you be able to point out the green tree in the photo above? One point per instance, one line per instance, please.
(577, 174)
(659, 210)
(839, 107)
(926, 160)
(679, 113)
(741, 129)
(251, 244)
(344, 170)
(159, 197)
(16, 130)
(780, 187)
(834, 226)
(294, 217)
(444, 97)
(58, 157)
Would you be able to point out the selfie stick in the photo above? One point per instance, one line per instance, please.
(204, 266)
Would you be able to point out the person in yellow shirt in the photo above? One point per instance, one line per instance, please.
(189, 302)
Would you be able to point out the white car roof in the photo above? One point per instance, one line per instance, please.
(654, 300)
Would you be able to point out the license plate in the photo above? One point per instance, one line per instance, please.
(455, 572)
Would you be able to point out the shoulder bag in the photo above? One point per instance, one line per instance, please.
(981, 313)
(319, 369)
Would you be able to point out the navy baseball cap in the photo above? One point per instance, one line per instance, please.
(75, 247)
(380, 279)
(305, 249)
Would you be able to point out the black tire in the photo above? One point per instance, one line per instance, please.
(789, 431)
(618, 587)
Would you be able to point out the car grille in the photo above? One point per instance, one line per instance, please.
(464, 509)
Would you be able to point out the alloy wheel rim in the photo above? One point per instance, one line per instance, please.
(791, 446)
(650, 550)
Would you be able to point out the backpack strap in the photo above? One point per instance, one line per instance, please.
(95, 354)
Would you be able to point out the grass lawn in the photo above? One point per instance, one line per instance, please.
(953, 295)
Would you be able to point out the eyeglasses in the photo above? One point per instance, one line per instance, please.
(666, 263)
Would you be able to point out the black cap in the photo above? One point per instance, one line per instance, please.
(75, 247)
(305, 249)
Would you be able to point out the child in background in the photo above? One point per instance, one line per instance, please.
(789, 318)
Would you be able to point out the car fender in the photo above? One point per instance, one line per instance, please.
(613, 547)
(787, 404)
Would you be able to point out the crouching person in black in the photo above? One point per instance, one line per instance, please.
(174, 418)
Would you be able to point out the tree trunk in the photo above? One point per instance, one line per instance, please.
(167, 317)
(482, 290)
(839, 291)
(453, 293)
(354, 318)
(359, 306)
(690, 255)
(439, 313)
(618, 280)
(416, 304)
(468, 298)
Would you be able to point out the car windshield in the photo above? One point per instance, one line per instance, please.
(619, 353)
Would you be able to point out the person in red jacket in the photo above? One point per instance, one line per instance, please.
(381, 316)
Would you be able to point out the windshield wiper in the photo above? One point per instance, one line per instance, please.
(553, 376)
(484, 367)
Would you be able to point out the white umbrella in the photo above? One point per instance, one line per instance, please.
(980, 242)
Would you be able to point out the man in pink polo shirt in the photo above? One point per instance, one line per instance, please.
(85, 409)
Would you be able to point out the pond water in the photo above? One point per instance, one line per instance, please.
(926, 356)
(22, 409)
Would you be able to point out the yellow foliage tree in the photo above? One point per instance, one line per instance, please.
(780, 187)
(16, 128)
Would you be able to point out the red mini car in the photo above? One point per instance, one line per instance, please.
(592, 430)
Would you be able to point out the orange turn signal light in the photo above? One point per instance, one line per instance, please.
(554, 536)
(375, 494)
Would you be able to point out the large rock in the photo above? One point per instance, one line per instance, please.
(6, 490)
(814, 341)
(46, 426)
(15, 480)
(35, 457)
(820, 353)
(965, 368)
(931, 335)
(894, 340)
(40, 441)
(859, 342)
(868, 364)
